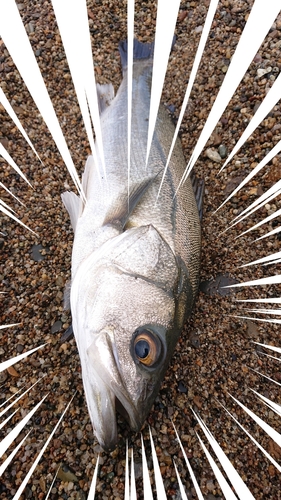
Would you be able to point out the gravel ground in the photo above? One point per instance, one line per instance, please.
(215, 355)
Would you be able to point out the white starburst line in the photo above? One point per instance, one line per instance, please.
(133, 491)
(8, 418)
(52, 484)
(91, 494)
(18, 399)
(256, 28)
(273, 348)
(9, 459)
(274, 300)
(9, 159)
(167, 12)
(5, 102)
(262, 374)
(130, 57)
(145, 475)
(240, 487)
(193, 478)
(7, 441)
(182, 492)
(276, 321)
(253, 440)
(227, 491)
(203, 39)
(81, 68)
(266, 427)
(160, 490)
(5, 364)
(265, 311)
(22, 54)
(12, 194)
(274, 231)
(273, 257)
(273, 406)
(256, 205)
(127, 485)
(38, 458)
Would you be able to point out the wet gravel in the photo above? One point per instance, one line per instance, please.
(215, 356)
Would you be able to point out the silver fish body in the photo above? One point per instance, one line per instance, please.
(134, 271)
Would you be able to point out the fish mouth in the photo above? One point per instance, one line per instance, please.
(106, 393)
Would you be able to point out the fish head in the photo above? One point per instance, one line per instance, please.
(124, 312)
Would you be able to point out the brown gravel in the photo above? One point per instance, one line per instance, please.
(215, 355)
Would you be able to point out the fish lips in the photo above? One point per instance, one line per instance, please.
(103, 386)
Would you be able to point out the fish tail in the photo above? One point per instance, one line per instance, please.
(141, 51)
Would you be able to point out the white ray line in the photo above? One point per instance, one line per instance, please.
(167, 12)
(207, 25)
(5, 102)
(193, 478)
(5, 364)
(265, 311)
(7, 206)
(263, 320)
(272, 357)
(241, 489)
(53, 482)
(274, 300)
(182, 492)
(7, 441)
(253, 439)
(8, 460)
(6, 212)
(273, 348)
(80, 61)
(91, 494)
(274, 151)
(266, 427)
(262, 374)
(227, 491)
(273, 262)
(133, 491)
(273, 256)
(262, 281)
(12, 194)
(259, 203)
(130, 54)
(147, 491)
(8, 418)
(268, 103)
(22, 54)
(274, 406)
(127, 484)
(264, 221)
(266, 197)
(9, 159)
(7, 326)
(274, 231)
(257, 26)
(38, 458)
(16, 400)
(160, 490)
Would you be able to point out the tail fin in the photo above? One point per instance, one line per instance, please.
(141, 51)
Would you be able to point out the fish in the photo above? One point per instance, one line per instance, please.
(135, 262)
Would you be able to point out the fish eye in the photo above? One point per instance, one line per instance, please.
(146, 347)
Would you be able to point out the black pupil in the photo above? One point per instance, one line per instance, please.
(142, 349)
